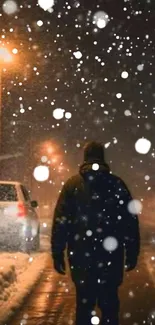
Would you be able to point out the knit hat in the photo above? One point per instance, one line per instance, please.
(93, 152)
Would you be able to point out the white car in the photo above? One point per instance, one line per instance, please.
(19, 222)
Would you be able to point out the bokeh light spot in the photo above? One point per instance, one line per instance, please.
(46, 4)
(10, 7)
(143, 146)
(135, 206)
(58, 113)
(110, 244)
(100, 19)
(41, 173)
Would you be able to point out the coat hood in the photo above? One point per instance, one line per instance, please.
(89, 172)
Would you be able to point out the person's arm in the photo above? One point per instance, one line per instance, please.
(59, 227)
(131, 229)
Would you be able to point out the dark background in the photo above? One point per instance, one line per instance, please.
(126, 42)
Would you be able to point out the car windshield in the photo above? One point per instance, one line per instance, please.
(8, 192)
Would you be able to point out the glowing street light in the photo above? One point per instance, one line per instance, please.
(5, 55)
(50, 149)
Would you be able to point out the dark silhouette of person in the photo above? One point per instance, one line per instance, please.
(95, 218)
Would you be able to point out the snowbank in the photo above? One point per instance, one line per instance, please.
(18, 274)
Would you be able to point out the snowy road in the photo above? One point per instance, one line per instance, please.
(44, 243)
(53, 299)
(45, 233)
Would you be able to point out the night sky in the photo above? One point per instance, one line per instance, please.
(46, 75)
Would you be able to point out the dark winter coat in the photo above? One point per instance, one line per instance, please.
(92, 220)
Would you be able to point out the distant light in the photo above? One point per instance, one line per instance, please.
(143, 146)
(124, 74)
(29, 108)
(14, 51)
(100, 19)
(68, 115)
(46, 4)
(95, 166)
(41, 173)
(40, 23)
(10, 7)
(58, 113)
(118, 95)
(78, 55)
(44, 224)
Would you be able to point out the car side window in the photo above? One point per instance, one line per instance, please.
(25, 193)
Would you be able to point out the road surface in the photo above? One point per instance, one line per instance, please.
(53, 299)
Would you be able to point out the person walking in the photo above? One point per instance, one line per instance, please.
(95, 220)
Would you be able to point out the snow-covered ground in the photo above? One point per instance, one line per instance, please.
(19, 272)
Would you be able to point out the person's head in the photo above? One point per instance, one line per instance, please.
(94, 152)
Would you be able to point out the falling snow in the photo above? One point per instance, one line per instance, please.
(95, 166)
(10, 7)
(95, 320)
(143, 146)
(46, 5)
(135, 207)
(73, 73)
(58, 113)
(89, 233)
(78, 55)
(118, 95)
(100, 19)
(41, 173)
(124, 74)
(110, 244)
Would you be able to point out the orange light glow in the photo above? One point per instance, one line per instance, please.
(48, 147)
(5, 55)
(60, 169)
(54, 160)
(50, 150)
